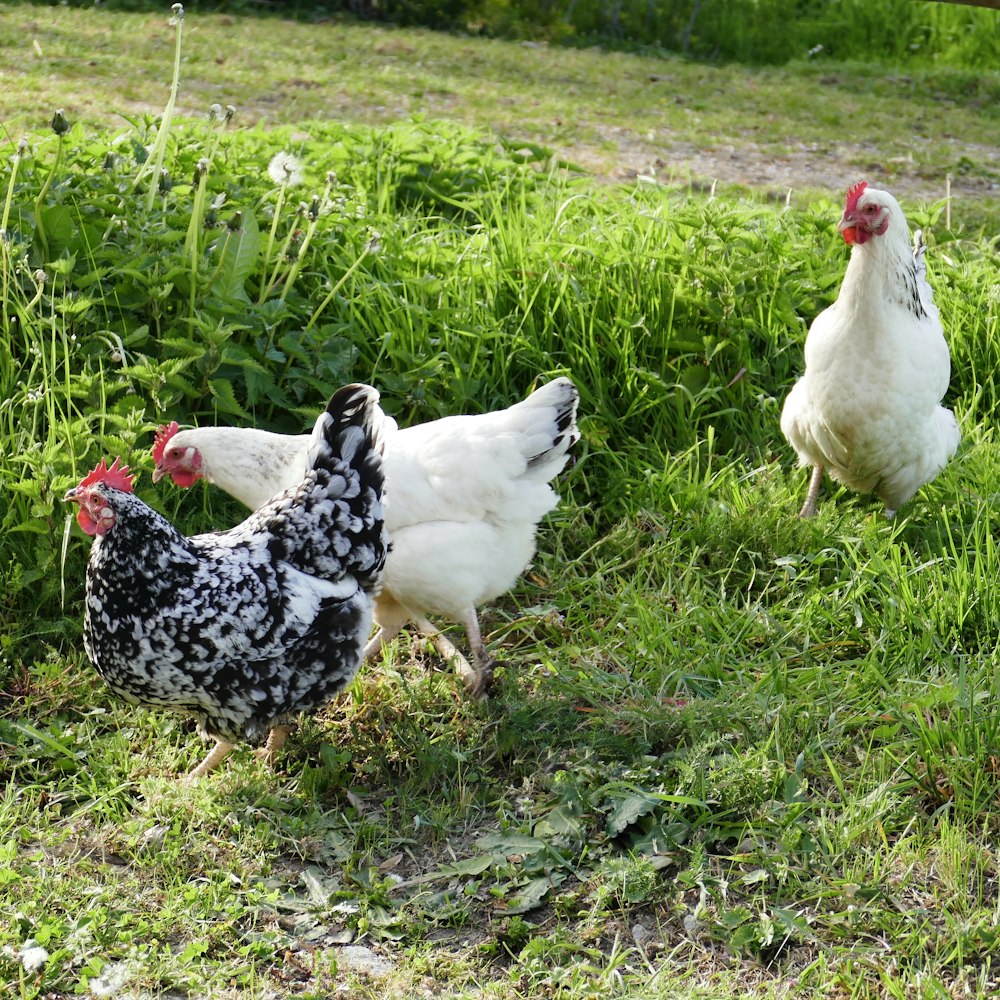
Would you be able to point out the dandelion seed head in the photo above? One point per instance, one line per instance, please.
(33, 956)
(285, 169)
(112, 980)
(215, 111)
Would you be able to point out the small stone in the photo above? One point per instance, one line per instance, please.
(358, 958)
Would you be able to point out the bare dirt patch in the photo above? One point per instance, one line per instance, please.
(626, 155)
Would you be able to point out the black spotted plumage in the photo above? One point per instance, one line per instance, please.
(244, 629)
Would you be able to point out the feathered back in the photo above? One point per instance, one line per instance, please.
(493, 466)
(333, 523)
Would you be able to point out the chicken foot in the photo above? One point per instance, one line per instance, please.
(809, 508)
(275, 741)
(220, 751)
(476, 676)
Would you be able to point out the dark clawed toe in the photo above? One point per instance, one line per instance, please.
(481, 684)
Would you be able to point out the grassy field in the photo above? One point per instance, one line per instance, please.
(731, 753)
(811, 126)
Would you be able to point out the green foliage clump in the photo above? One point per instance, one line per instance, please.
(208, 274)
(206, 289)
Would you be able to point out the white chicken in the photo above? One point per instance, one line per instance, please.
(464, 496)
(868, 407)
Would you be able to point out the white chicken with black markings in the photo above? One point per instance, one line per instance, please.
(867, 410)
(247, 628)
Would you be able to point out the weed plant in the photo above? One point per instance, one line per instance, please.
(731, 753)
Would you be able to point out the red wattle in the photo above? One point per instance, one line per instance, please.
(184, 477)
(86, 522)
(850, 235)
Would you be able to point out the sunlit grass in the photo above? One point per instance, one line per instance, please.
(731, 752)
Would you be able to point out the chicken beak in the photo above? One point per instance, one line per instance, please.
(73, 495)
(158, 474)
(848, 228)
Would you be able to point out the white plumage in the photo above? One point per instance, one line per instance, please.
(464, 496)
(868, 407)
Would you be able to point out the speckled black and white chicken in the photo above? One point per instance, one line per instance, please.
(465, 495)
(868, 407)
(246, 628)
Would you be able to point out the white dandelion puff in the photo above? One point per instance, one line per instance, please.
(285, 169)
(33, 956)
(112, 980)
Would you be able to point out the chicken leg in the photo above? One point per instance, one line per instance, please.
(392, 616)
(476, 676)
(809, 508)
(215, 756)
(275, 741)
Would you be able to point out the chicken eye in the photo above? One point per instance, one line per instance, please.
(871, 209)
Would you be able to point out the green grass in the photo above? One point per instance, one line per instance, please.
(813, 125)
(730, 753)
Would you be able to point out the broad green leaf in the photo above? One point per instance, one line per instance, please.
(59, 228)
(222, 393)
(239, 253)
(473, 866)
(533, 894)
(628, 810)
(511, 843)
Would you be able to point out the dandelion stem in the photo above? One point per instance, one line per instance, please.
(270, 241)
(15, 162)
(314, 215)
(154, 164)
(39, 226)
(191, 242)
(5, 237)
(282, 254)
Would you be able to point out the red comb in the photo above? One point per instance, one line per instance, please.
(117, 476)
(163, 434)
(853, 194)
